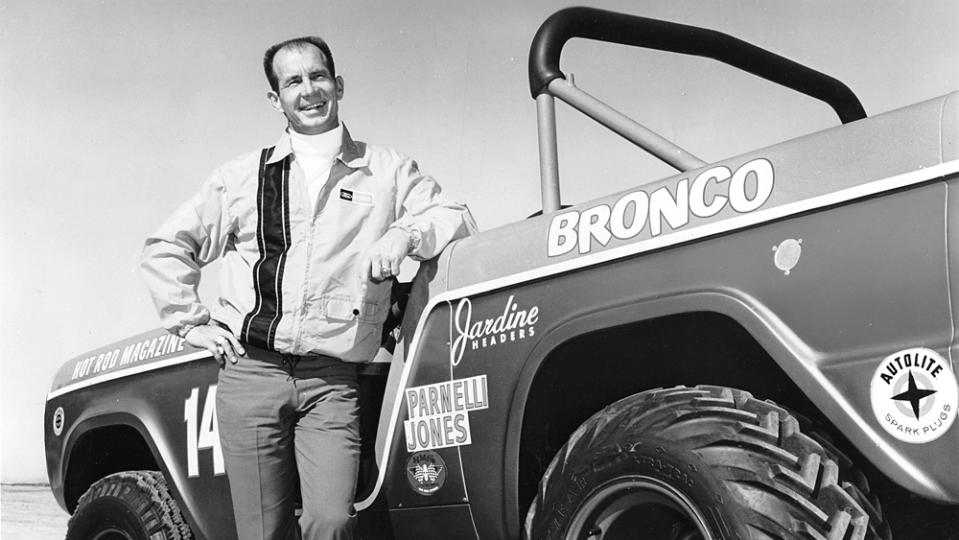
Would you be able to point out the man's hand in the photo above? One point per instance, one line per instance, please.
(383, 259)
(218, 341)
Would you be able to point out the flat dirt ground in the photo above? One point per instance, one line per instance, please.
(29, 512)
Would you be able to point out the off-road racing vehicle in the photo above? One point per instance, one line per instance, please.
(760, 347)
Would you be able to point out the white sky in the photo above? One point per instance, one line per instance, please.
(112, 113)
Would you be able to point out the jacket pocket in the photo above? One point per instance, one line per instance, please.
(346, 308)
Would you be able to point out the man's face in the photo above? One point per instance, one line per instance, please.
(307, 94)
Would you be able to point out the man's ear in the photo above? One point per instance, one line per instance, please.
(274, 101)
(339, 87)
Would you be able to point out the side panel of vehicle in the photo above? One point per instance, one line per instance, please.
(808, 172)
(171, 411)
(871, 280)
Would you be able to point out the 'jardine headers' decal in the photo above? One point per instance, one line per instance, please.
(914, 395)
(744, 190)
(514, 323)
(438, 414)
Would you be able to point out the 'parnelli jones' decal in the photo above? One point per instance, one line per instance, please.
(709, 193)
(439, 413)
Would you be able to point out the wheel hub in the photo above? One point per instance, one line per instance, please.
(638, 507)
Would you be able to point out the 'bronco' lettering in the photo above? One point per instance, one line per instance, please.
(631, 213)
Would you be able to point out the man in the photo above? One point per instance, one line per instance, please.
(310, 232)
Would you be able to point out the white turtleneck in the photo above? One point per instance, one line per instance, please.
(315, 154)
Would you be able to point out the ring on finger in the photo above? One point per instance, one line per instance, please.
(220, 340)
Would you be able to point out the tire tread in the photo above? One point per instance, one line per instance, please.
(756, 447)
(145, 492)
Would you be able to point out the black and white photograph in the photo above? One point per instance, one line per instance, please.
(542, 270)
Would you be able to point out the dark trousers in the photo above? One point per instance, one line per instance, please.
(285, 418)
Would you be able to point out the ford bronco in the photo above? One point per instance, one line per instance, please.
(759, 347)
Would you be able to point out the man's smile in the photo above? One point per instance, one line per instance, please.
(314, 106)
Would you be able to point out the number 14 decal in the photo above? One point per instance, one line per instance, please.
(206, 435)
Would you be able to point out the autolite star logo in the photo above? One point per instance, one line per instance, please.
(914, 395)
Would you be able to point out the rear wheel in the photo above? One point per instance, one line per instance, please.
(698, 463)
(131, 505)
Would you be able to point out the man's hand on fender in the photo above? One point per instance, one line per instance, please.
(218, 341)
(382, 260)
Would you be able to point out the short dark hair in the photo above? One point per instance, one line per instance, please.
(295, 42)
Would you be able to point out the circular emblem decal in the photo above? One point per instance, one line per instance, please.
(426, 472)
(914, 395)
(58, 421)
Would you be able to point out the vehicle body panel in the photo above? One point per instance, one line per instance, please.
(155, 402)
(873, 279)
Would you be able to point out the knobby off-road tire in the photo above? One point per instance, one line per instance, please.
(698, 463)
(132, 505)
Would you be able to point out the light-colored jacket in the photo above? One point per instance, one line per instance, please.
(291, 271)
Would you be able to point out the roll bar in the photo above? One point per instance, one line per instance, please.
(546, 80)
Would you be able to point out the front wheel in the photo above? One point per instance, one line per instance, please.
(704, 463)
(131, 505)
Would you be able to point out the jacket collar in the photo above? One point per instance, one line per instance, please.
(351, 154)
